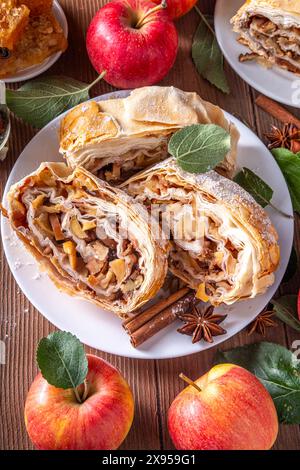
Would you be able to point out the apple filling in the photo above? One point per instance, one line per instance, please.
(89, 241)
(118, 167)
(208, 249)
(271, 42)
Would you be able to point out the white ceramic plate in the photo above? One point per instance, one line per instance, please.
(278, 84)
(102, 330)
(35, 70)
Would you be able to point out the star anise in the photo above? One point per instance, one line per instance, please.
(287, 137)
(263, 321)
(201, 323)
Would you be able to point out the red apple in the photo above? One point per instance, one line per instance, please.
(231, 410)
(56, 421)
(136, 47)
(177, 8)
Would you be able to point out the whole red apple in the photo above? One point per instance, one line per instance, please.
(230, 410)
(56, 421)
(177, 8)
(133, 43)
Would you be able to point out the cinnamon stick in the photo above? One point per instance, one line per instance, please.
(277, 111)
(161, 320)
(133, 324)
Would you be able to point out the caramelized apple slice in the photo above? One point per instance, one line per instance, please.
(69, 248)
(42, 221)
(76, 229)
(118, 267)
(54, 221)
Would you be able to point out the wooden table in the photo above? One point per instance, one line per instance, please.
(154, 383)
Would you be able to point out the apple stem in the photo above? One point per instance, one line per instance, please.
(77, 395)
(85, 390)
(142, 22)
(190, 382)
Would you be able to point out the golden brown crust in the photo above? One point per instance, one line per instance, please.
(153, 252)
(94, 130)
(231, 203)
(283, 6)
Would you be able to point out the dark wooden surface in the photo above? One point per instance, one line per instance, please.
(154, 383)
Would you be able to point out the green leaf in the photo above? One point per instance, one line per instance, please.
(277, 369)
(289, 164)
(62, 360)
(208, 57)
(254, 185)
(285, 309)
(41, 100)
(292, 266)
(200, 147)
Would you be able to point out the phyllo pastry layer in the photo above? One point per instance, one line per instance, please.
(93, 241)
(271, 29)
(223, 243)
(116, 138)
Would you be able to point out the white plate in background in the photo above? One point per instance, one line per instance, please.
(102, 330)
(35, 70)
(276, 83)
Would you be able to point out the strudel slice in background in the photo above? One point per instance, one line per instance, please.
(223, 243)
(117, 138)
(91, 239)
(271, 30)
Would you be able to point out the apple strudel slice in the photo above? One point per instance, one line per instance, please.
(271, 30)
(223, 243)
(117, 138)
(92, 240)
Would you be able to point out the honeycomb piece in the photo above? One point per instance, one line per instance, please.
(37, 7)
(42, 37)
(13, 21)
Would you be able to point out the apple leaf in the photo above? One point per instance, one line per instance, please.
(62, 360)
(41, 100)
(277, 368)
(200, 147)
(285, 309)
(254, 185)
(207, 55)
(289, 164)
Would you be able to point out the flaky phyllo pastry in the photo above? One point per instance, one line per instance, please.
(223, 243)
(271, 29)
(116, 138)
(93, 241)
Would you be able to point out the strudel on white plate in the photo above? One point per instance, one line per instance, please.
(271, 30)
(116, 138)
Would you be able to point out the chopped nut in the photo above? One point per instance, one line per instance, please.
(129, 286)
(108, 278)
(55, 224)
(99, 250)
(94, 265)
